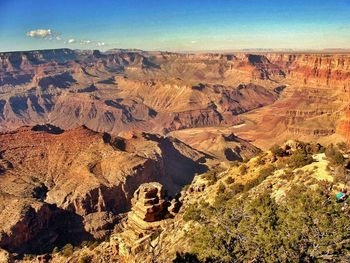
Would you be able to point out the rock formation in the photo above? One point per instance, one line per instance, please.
(149, 209)
(129, 117)
(67, 186)
(148, 203)
(125, 90)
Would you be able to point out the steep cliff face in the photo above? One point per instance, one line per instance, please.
(67, 186)
(313, 103)
(308, 113)
(315, 69)
(344, 126)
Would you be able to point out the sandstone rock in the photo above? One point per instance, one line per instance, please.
(67, 186)
(175, 206)
(148, 209)
(148, 202)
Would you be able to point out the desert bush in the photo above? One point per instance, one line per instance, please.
(85, 259)
(186, 258)
(212, 175)
(235, 163)
(261, 159)
(342, 146)
(192, 212)
(287, 175)
(335, 156)
(221, 188)
(299, 159)
(266, 171)
(243, 169)
(338, 178)
(28, 257)
(305, 227)
(263, 174)
(67, 250)
(229, 180)
(236, 188)
(93, 245)
(277, 151)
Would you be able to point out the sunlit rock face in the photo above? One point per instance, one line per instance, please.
(126, 90)
(62, 187)
(148, 203)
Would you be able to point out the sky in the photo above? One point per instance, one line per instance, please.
(174, 25)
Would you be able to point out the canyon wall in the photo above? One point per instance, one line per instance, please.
(68, 186)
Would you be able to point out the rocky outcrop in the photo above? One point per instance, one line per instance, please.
(344, 125)
(147, 217)
(148, 203)
(43, 194)
(221, 144)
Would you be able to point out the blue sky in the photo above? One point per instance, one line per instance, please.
(174, 25)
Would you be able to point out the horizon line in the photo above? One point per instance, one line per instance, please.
(240, 50)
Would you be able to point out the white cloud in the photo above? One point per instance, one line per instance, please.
(40, 33)
(194, 41)
(50, 35)
(100, 44)
(85, 42)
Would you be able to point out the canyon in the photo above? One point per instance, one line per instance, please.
(278, 95)
(81, 130)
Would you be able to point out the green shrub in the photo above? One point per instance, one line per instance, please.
(221, 188)
(299, 159)
(305, 227)
(287, 175)
(192, 212)
(334, 155)
(263, 174)
(277, 151)
(229, 180)
(235, 163)
(212, 175)
(67, 250)
(85, 259)
(314, 148)
(186, 258)
(243, 169)
(342, 146)
(236, 189)
(338, 178)
(267, 171)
